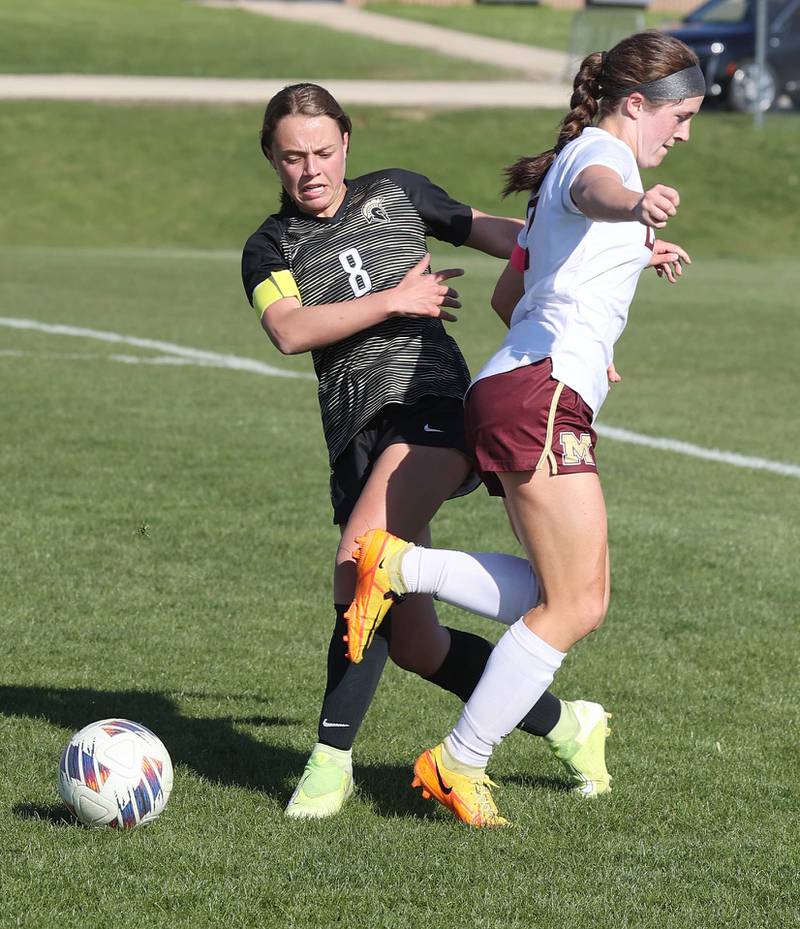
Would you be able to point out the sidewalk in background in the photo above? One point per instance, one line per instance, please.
(541, 63)
(119, 89)
(544, 67)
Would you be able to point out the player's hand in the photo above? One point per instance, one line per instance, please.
(614, 377)
(657, 205)
(668, 260)
(423, 294)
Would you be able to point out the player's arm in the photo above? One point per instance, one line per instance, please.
(509, 288)
(455, 222)
(598, 192)
(494, 235)
(294, 328)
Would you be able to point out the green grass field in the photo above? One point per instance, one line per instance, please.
(195, 176)
(179, 37)
(167, 544)
(166, 548)
(534, 24)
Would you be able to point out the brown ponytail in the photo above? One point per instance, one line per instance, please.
(527, 173)
(598, 87)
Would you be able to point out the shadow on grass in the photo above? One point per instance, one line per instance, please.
(211, 747)
(53, 814)
(388, 788)
(539, 782)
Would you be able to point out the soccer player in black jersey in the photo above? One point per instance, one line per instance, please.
(342, 271)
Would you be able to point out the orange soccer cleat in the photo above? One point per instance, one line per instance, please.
(469, 797)
(378, 585)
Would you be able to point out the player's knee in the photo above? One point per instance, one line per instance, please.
(419, 648)
(596, 609)
(344, 577)
(590, 611)
(406, 656)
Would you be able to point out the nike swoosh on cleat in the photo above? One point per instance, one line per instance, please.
(327, 725)
(388, 594)
(445, 789)
(427, 428)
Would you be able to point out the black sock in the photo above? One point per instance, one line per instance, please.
(350, 687)
(463, 665)
(542, 716)
(462, 669)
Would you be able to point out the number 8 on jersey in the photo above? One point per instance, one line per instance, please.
(351, 261)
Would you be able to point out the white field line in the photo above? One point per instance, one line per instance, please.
(697, 451)
(124, 359)
(202, 357)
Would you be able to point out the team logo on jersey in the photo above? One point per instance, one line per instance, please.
(374, 211)
(576, 450)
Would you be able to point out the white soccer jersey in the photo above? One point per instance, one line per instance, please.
(580, 275)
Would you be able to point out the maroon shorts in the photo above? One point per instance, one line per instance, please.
(525, 420)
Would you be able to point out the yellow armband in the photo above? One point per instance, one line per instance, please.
(277, 286)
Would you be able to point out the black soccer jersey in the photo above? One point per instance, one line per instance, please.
(376, 236)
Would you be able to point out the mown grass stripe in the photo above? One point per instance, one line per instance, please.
(236, 362)
(201, 355)
(697, 451)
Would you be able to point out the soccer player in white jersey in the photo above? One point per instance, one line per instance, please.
(341, 272)
(530, 410)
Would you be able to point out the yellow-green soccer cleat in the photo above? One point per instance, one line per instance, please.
(323, 788)
(470, 798)
(378, 585)
(584, 755)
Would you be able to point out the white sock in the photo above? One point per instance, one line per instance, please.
(519, 671)
(491, 584)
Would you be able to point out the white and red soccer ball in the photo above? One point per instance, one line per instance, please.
(115, 772)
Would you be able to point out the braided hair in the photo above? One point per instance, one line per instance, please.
(598, 87)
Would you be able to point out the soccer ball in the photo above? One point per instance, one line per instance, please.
(115, 772)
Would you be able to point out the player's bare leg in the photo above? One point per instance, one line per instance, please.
(399, 490)
(561, 522)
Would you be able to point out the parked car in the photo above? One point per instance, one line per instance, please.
(722, 32)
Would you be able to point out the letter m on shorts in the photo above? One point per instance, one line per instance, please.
(576, 450)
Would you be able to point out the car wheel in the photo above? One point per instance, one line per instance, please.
(752, 88)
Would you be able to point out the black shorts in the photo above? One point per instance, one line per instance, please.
(436, 422)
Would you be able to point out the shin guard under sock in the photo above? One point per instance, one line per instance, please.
(350, 687)
(462, 668)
